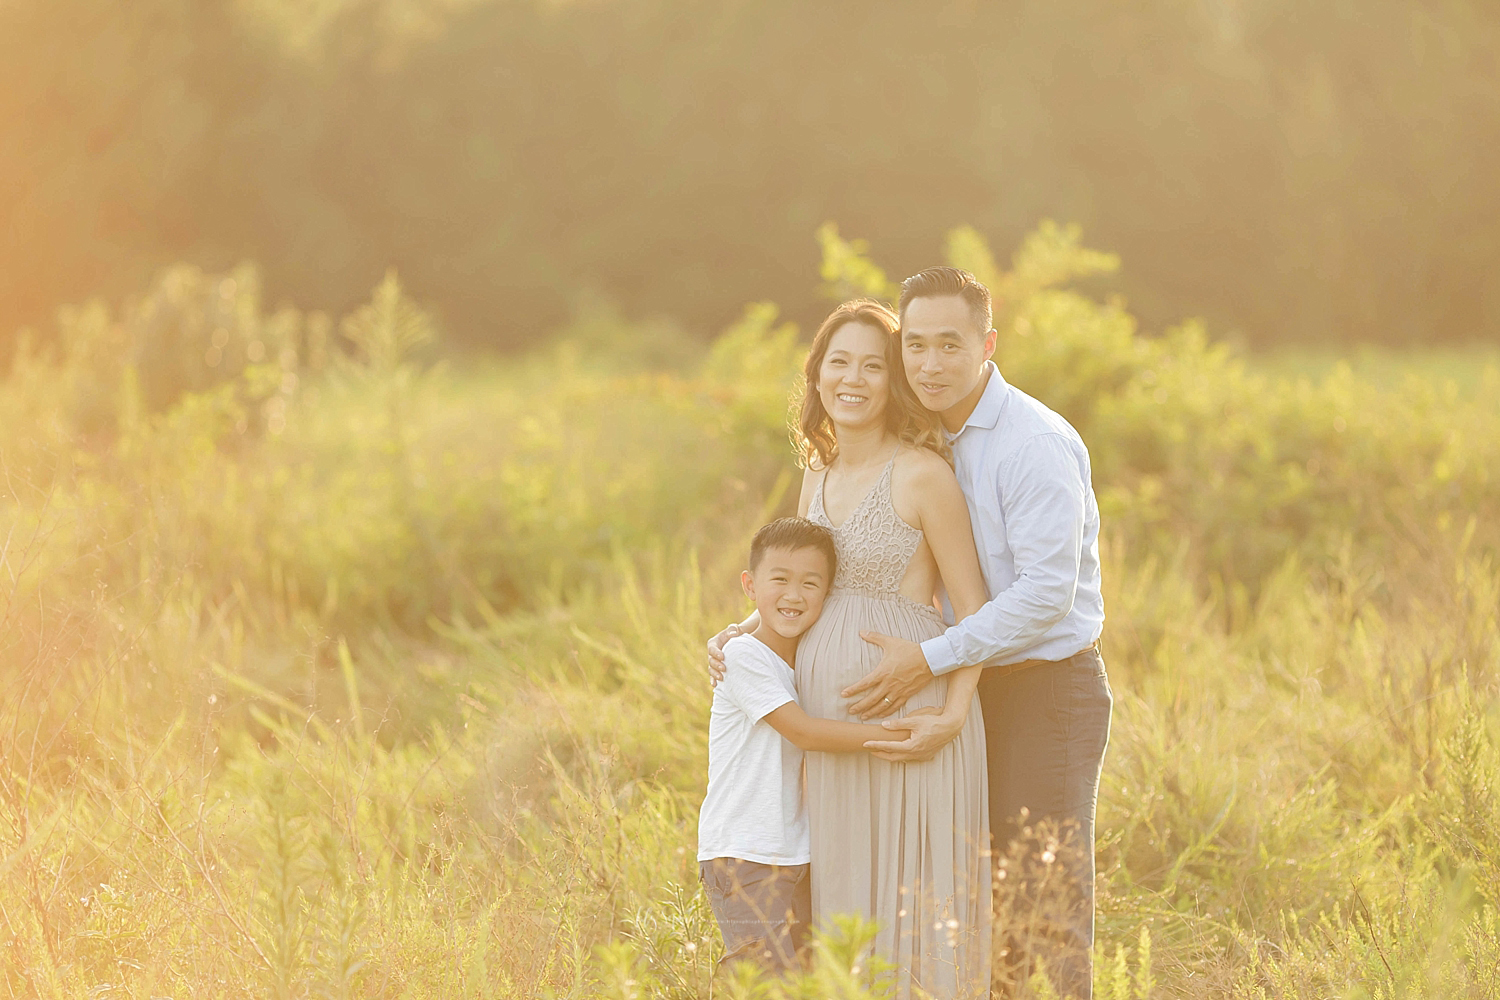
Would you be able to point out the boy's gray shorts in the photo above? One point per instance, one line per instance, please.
(763, 911)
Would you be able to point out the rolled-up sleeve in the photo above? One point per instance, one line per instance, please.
(1042, 494)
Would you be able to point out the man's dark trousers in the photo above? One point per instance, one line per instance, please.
(1046, 728)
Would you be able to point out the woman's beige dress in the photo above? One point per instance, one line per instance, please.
(905, 845)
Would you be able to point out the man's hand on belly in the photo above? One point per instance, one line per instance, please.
(901, 673)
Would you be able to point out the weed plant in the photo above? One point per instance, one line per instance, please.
(329, 668)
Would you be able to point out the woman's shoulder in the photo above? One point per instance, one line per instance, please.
(922, 471)
(811, 479)
(921, 463)
(812, 476)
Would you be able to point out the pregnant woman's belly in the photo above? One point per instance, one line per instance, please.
(831, 655)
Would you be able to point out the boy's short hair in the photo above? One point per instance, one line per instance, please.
(794, 533)
(937, 281)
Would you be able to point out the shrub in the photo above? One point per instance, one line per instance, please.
(380, 674)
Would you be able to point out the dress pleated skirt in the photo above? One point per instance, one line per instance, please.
(903, 845)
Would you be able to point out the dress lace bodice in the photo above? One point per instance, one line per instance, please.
(874, 545)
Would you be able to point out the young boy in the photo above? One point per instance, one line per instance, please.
(753, 842)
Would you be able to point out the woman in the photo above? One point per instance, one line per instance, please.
(905, 845)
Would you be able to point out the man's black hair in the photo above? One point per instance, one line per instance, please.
(937, 281)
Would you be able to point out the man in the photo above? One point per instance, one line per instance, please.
(1045, 697)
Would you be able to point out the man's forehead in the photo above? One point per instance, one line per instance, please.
(939, 315)
(935, 314)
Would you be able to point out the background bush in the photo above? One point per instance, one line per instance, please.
(330, 667)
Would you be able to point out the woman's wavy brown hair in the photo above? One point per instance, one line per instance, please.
(905, 417)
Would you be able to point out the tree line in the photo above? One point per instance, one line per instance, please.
(1312, 172)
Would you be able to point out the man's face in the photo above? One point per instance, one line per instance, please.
(944, 350)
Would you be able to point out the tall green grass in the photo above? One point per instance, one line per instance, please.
(331, 668)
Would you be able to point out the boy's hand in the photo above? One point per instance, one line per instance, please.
(716, 653)
(927, 732)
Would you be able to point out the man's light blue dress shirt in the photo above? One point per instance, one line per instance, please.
(1025, 473)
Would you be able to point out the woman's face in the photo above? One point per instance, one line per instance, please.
(854, 380)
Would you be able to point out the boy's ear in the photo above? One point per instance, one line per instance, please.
(747, 584)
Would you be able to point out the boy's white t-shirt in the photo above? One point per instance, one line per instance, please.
(754, 807)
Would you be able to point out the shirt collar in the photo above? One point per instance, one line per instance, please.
(987, 413)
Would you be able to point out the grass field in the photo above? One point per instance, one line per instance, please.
(333, 669)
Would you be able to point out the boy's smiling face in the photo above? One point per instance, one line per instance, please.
(788, 588)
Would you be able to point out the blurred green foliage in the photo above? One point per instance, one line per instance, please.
(330, 668)
(1303, 172)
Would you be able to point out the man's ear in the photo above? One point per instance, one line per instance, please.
(989, 343)
(747, 584)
